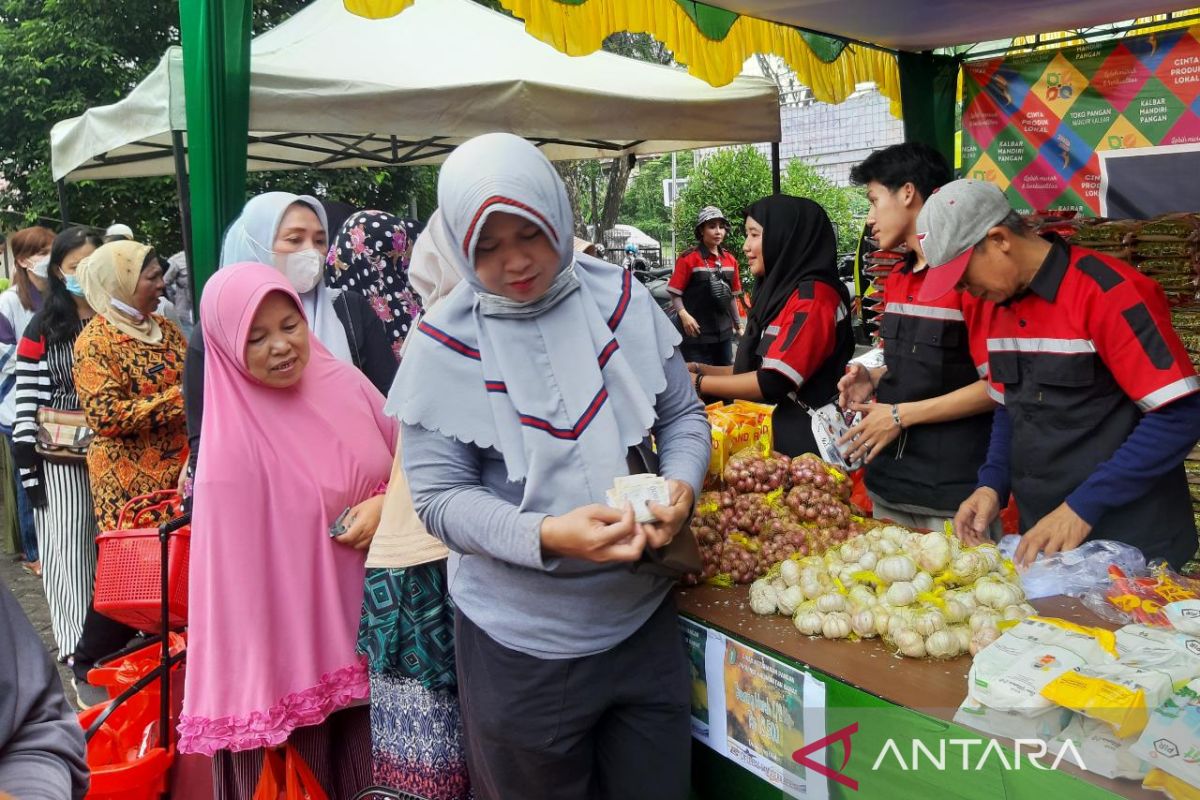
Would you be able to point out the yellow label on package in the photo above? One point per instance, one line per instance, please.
(1121, 706)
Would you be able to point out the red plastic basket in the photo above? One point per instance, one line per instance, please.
(128, 568)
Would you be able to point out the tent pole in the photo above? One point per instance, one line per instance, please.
(776, 176)
(216, 74)
(185, 207)
(63, 209)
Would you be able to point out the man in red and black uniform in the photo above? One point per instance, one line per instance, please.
(926, 434)
(704, 290)
(1100, 401)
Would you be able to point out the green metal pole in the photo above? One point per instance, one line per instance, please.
(216, 67)
(928, 95)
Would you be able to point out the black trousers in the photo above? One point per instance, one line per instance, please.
(615, 725)
(717, 354)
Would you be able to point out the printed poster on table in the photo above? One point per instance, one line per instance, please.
(1034, 124)
(755, 710)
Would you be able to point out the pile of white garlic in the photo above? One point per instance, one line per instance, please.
(923, 593)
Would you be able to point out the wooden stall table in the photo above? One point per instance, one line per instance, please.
(890, 697)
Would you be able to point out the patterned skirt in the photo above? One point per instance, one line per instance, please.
(407, 634)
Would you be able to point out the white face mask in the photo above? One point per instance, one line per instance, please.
(40, 266)
(302, 269)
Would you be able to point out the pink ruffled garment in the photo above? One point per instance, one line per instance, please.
(274, 603)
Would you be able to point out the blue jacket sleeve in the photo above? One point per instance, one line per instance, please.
(996, 472)
(1159, 443)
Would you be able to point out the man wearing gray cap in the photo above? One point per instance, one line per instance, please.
(1099, 402)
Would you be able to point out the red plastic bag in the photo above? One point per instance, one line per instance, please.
(859, 496)
(287, 777)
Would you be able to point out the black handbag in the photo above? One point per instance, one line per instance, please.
(681, 555)
(722, 292)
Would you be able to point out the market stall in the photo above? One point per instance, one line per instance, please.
(829, 652)
(891, 699)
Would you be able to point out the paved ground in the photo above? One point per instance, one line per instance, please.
(28, 590)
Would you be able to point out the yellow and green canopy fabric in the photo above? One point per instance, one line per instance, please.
(712, 42)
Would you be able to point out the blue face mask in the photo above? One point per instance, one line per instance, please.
(73, 286)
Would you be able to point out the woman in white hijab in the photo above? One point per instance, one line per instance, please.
(522, 394)
(290, 233)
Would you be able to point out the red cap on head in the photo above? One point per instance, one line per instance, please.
(942, 279)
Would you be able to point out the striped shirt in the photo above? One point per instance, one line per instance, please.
(44, 378)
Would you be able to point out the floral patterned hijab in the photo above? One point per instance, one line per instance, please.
(370, 256)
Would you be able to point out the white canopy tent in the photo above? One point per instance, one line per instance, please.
(329, 89)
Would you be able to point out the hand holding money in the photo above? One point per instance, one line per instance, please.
(668, 516)
(640, 491)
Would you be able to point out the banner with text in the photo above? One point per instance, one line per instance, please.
(757, 710)
(1034, 124)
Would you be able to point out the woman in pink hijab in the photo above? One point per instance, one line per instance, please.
(295, 448)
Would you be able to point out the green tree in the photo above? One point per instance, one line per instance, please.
(61, 57)
(732, 179)
(643, 206)
(729, 179)
(846, 207)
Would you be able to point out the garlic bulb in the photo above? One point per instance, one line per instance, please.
(789, 599)
(864, 623)
(969, 566)
(868, 561)
(956, 612)
(862, 596)
(923, 582)
(893, 533)
(1015, 613)
(901, 594)
(836, 625)
(927, 622)
(853, 550)
(991, 555)
(894, 569)
(910, 643)
(997, 594)
(982, 638)
(778, 584)
(811, 589)
(1028, 610)
(886, 547)
(963, 632)
(830, 602)
(763, 597)
(984, 618)
(934, 553)
(789, 572)
(898, 623)
(964, 597)
(809, 623)
(942, 644)
(811, 574)
(883, 618)
(846, 576)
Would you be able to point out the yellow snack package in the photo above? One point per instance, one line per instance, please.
(1174, 788)
(752, 427)
(1116, 700)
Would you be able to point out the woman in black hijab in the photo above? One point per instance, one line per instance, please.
(798, 337)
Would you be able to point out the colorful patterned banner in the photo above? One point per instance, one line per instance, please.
(1034, 124)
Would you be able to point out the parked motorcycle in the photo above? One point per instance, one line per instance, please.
(655, 280)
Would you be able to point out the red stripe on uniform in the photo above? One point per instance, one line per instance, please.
(454, 344)
(623, 303)
(575, 431)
